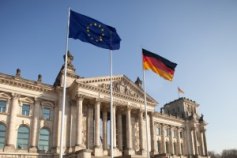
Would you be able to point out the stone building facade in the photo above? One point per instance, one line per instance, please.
(31, 111)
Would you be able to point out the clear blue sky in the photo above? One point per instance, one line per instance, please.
(201, 36)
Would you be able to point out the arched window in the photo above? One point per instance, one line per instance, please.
(23, 137)
(43, 143)
(2, 135)
(159, 146)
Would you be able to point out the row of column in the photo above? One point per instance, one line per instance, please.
(170, 146)
(201, 148)
(98, 147)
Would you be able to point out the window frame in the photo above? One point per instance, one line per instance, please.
(167, 149)
(23, 138)
(159, 144)
(4, 135)
(40, 139)
(50, 113)
(22, 109)
(5, 97)
(26, 101)
(50, 106)
(175, 133)
(158, 131)
(167, 132)
(181, 134)
(4, 111)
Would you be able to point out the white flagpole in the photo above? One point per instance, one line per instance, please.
(145, 104)
(111, 108)
(64, 92)
(178, 94)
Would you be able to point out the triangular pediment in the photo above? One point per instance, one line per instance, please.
(122, 85)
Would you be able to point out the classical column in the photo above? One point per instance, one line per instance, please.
(192, 143)
(12, 132)
(69, 134)
(34, 131)
(129, 150)
(163, 150)
(59, 113)
(188, 141)
(205, 143)
(105, 118)
(90, 128)
(142, 134)
(202, 144)
(97, 149)
(179, 142)
(171, 141)
(195, 141)
(79, 103)
(120, 133)
(114, 127)
(153, 144)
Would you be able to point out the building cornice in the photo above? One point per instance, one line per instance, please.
(168, 117)
(24, 83)
(186, 100)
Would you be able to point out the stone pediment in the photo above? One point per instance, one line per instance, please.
(121, 86)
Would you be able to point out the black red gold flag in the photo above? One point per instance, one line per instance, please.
(180, 90)
(158, 64)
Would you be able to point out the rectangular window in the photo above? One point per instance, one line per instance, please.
(46, 113)
(182, 149)
(167, 132)
(158, 131)
(167, 147)
(175, 134)
(174, 148)
(25, 110)
(159, 146)
(3, 105)
(181, 134)
(170, 132)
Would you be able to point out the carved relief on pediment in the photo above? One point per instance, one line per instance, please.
(120, 87)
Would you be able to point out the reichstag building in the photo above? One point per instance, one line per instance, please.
(31, 111)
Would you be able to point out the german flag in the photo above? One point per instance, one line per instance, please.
(158, 64)
(180, 90)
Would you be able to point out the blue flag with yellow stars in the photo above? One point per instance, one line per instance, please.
(92, 31)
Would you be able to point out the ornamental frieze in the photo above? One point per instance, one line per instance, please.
(120, 87)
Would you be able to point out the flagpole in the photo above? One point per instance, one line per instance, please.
(64, 91)
(111, 107)
(178, 94)
(145, 104)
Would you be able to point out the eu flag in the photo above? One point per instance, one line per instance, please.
(92, 31)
